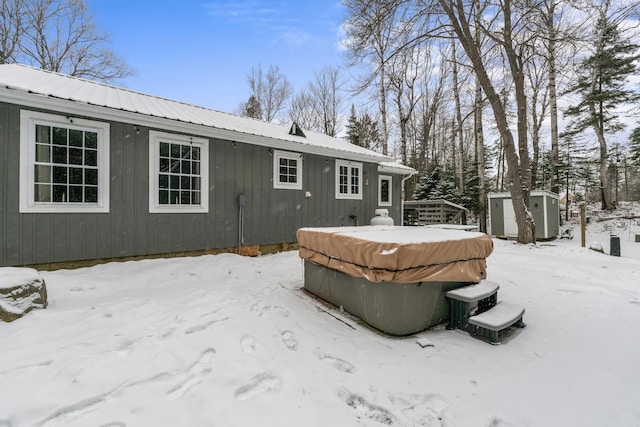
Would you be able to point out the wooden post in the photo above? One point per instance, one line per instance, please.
(583, 224)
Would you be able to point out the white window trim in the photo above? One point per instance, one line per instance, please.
(155, 138)
(350, 165)
(277, 155)
(28, 121)
(385, 178)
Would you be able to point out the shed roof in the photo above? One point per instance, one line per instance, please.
(44, 89)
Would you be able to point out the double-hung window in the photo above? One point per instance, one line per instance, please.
(348, 180)
(287, 170)
(178, 173)
(64, 164)
(384, 190)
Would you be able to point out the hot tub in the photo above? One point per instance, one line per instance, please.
(394, 278)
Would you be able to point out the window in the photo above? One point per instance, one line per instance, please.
(287, 170)
(348, 180)
(384, 190)
(178, 173)
(64, 164)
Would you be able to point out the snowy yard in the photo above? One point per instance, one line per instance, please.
(230, 341)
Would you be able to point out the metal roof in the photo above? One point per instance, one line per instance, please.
(38, 88)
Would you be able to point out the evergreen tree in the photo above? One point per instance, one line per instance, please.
(601, 86)
(251, 108)
(437, 183)
(363, 131)
(352, 127)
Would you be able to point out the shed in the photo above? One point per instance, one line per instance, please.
(90, 171)
(544, 207)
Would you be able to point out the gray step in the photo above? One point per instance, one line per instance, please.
(500, 317)
(473, 293)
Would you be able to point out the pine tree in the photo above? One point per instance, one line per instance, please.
(352, 127)
(252, 108)
(363, 131)
(601, 86)
(437, 183)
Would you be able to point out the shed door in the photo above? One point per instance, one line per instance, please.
(510, 225)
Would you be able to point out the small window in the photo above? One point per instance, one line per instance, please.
(384, 190)
(178, 173)
(64, 164)
(287, 170)
(348, 180)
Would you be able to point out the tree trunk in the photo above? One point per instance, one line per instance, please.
(553, 96)
(597, 120)
(519, 171)
(383, 110)
(479, 138)
(456, 97)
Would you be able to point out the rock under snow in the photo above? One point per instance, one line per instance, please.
(21, 290)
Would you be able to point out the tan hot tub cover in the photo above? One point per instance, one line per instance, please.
(398, 254)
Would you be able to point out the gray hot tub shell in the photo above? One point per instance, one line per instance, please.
(393, 308)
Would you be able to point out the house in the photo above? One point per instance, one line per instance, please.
(544, 207)
(90, 172)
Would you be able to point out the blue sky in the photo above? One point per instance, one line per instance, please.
(200, 52)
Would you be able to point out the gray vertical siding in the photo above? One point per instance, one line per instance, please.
(536, 205)
(271, 215)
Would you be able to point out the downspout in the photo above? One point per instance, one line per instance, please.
(241, 203)
(406, 177)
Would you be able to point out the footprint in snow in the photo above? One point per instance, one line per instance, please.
(22, 369)
(290, 340)
(65, 415)
(369, 410)
(337, 363)
(248, 344)
(274, 308)
(422, 409)
(259, 384)
(203, 326)
(195, 375)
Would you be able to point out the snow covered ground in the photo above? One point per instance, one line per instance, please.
(231, 341)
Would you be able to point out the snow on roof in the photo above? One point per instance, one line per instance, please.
(24, 82)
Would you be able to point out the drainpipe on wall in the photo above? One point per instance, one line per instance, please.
(241, 203)
(402, 198)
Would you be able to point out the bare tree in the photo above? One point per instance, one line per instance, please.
(325, 89)
(58, 36)
(12, 28)
(405, 70)
(370, 31)
(478, 104)
(537, 78)
(272, 90)
(460, 16)
(302, 111)
(318, 105)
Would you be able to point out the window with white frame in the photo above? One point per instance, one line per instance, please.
(348, 180)
(287, 170)
(178, 173)
(384, 190)
(64, 164)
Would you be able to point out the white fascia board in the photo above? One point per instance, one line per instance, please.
(396, 168)
(70, 107)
